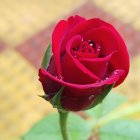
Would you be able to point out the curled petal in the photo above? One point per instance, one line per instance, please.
(75, 92)
(81, 29)
(58, 35)
(72, 68)
(98, 66)
(110, 41)
(121, 59)
(105, 38)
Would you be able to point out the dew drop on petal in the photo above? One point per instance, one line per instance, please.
(75, 49)
(116, 71)
(89, 41)
(98, 81)
(98, 49)
(59, 77)
(106, 78)
(75, 56)
(91, 45)
(91, 97)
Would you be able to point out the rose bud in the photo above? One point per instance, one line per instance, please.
(89, 58)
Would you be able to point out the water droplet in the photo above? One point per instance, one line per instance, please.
(91, 43)
(98, 81)
(75, 49)
(59, 77)
(82, 40)
(91, 97)
(116, 71)
(98, 48)
(106, 78)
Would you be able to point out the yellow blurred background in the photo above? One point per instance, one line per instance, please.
(25, 29)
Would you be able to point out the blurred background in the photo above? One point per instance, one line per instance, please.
(25, 29)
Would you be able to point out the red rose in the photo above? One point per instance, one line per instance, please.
(88, 57)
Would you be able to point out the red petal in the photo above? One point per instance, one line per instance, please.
(105, 38)
(81, 29)
(52, 67)
(109, 41)
(73, 70)
(97, 65)
(75, 97)
(81, 55)
(46, 76)
(58, 35)
(121, 59)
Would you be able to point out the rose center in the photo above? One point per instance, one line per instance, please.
(87, 48)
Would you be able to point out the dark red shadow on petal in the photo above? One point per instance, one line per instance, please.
(75, 97)
(76, 103)
(70, 100)
(50, 87)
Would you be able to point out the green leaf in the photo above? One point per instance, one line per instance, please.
(101, 97)
(56, 100)
(111, 102)
(48, 129)
(46, 58)
(119, 113)
(120, 130)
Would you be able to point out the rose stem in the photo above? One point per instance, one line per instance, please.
(63, 124)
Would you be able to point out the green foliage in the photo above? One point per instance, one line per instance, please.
(107, 119)
(46, 58)
(56, 100)
(111, 102)
(120, 130)
(48, 129)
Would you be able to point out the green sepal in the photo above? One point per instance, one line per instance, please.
(45, 97)
(47, 57)
(100, 98)
(56, 100)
